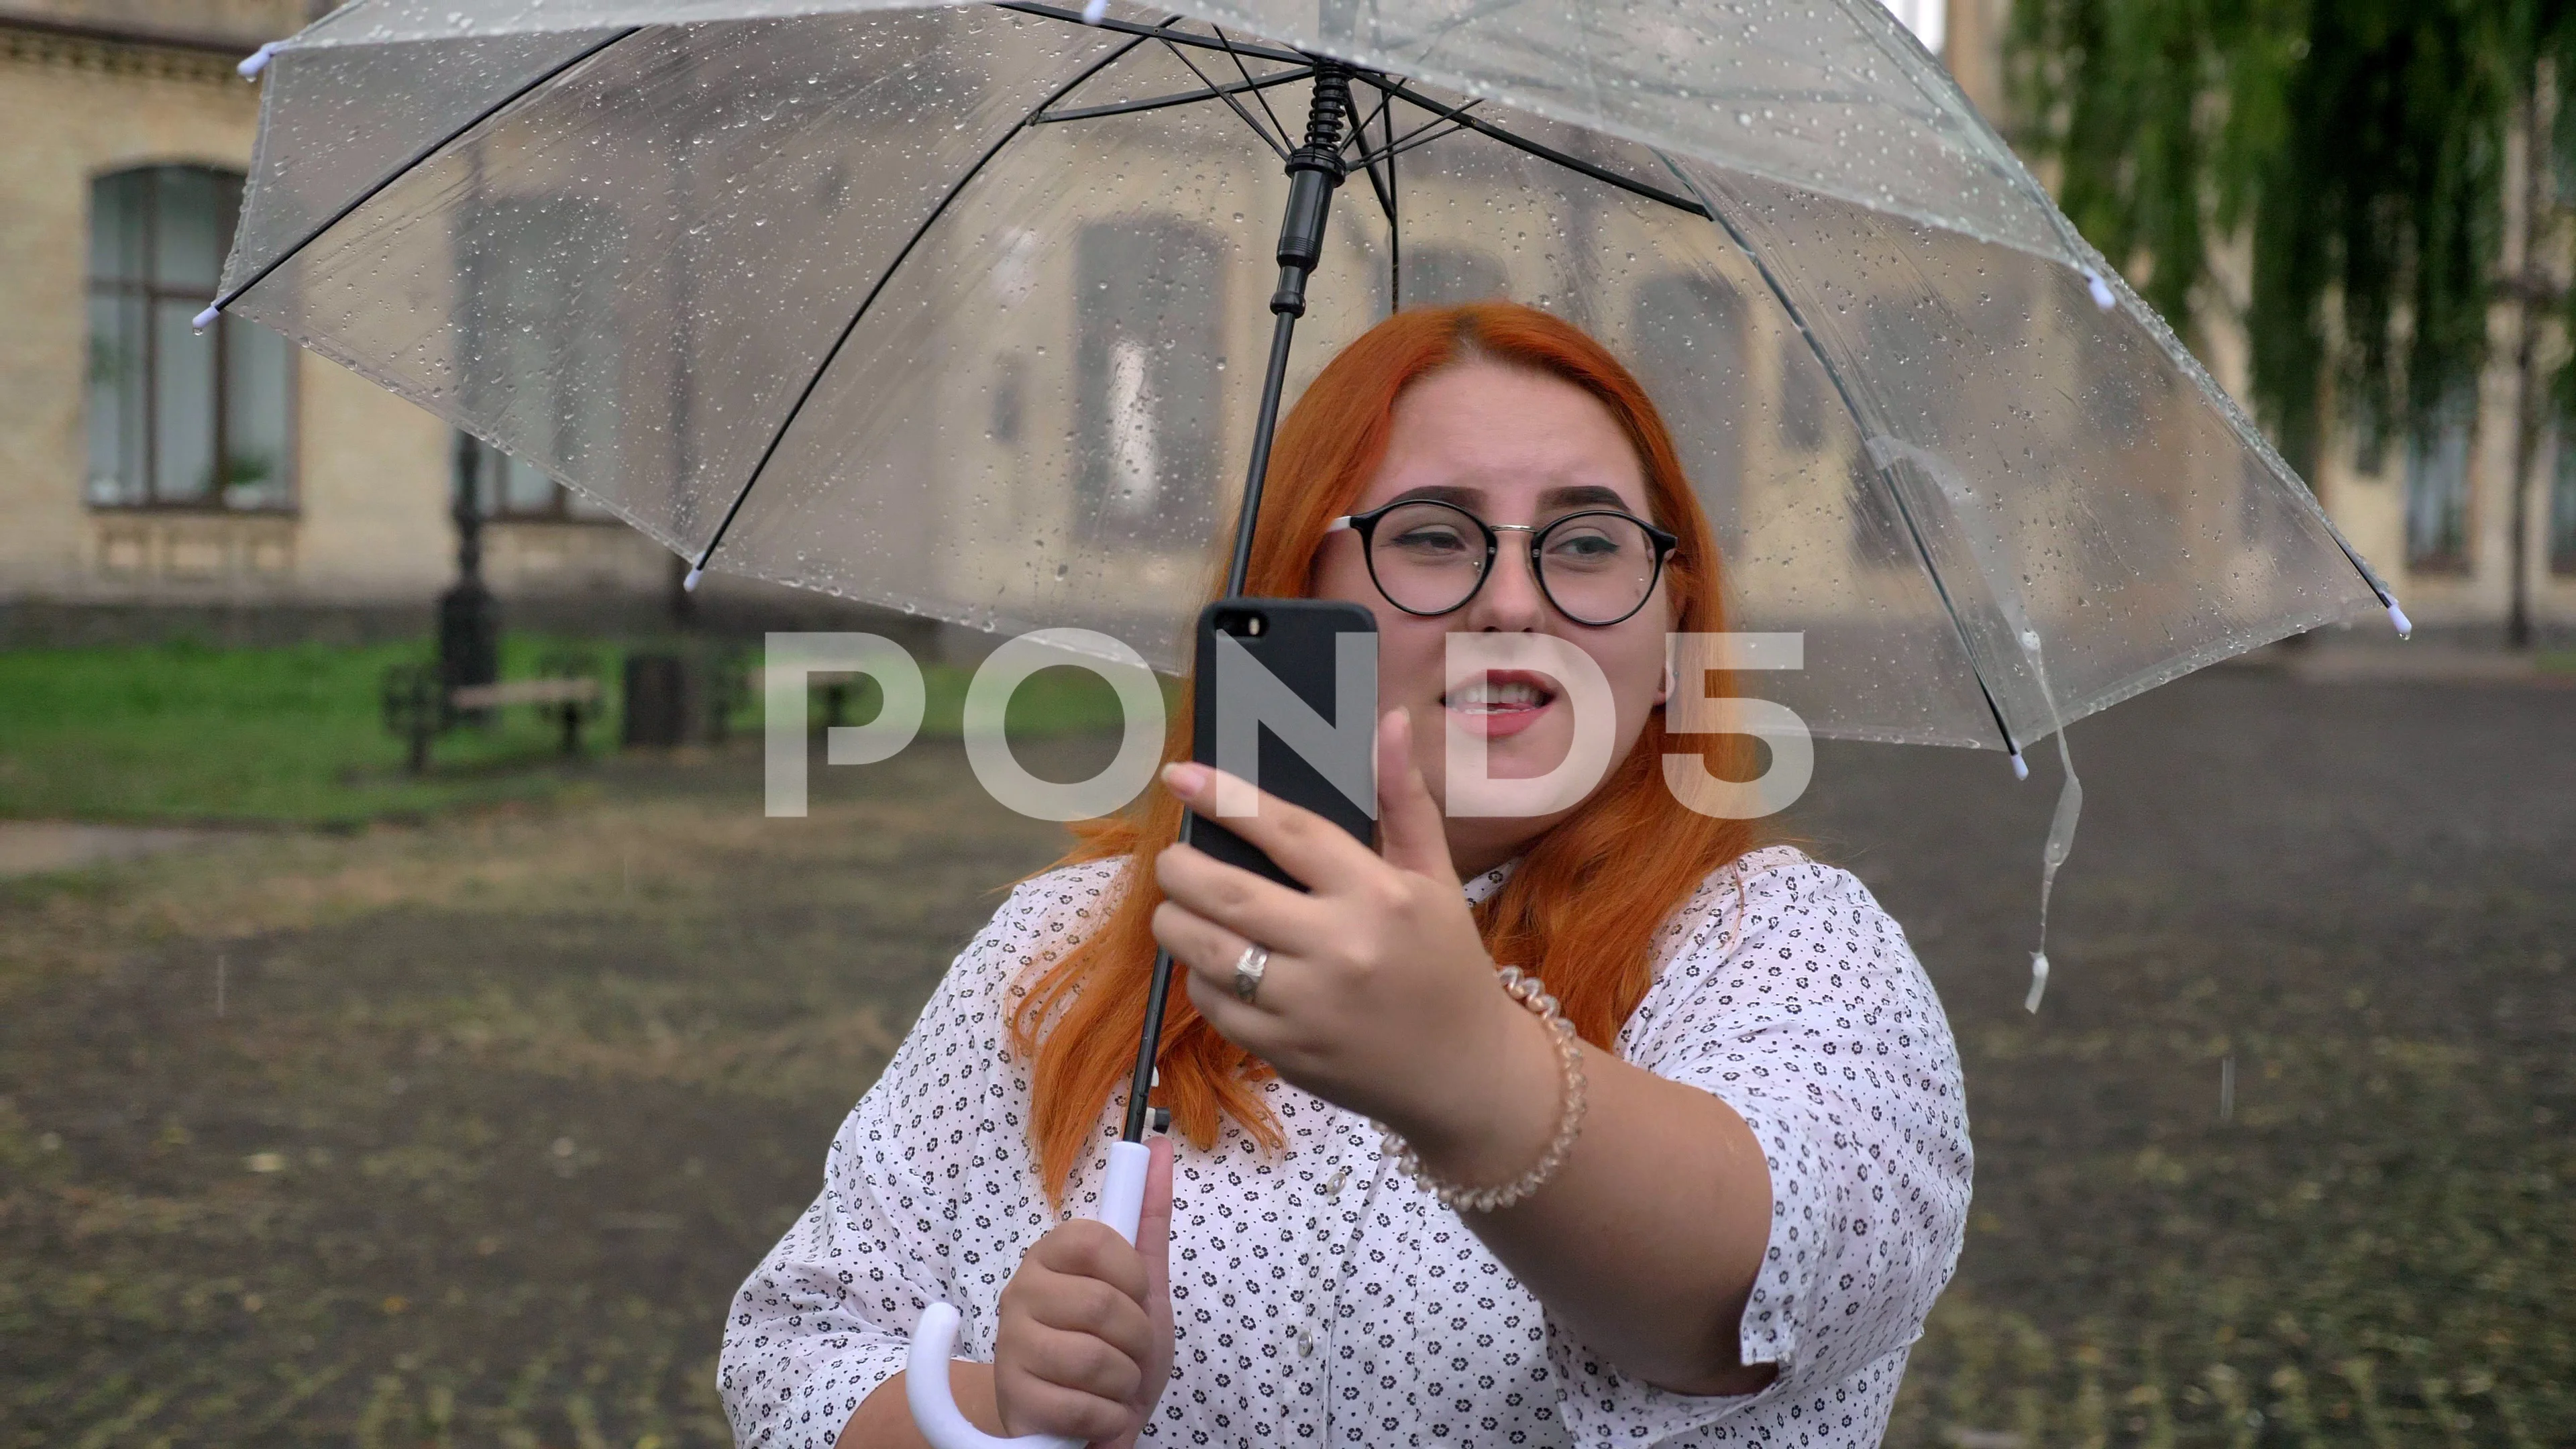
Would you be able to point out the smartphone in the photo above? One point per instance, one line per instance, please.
(1290, 684)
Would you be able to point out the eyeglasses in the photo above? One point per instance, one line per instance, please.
(1596, 567)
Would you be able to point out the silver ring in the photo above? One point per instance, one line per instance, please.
(1247, 972)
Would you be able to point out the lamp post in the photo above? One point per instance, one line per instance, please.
(469, 629)
(469, 634)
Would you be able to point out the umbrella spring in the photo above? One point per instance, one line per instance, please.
(1329, 111)
(1314, 170)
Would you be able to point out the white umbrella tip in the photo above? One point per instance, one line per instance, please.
(205, 319)
(1094, 11)
(257, 61)
(2397, 616)
(2021, 767)
(2038, 982)
(696, 572)
(2100, 289)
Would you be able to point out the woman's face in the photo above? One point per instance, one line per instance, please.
(1510, 445)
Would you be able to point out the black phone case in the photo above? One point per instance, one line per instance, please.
(1296, 644)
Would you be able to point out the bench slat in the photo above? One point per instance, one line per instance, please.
(524, 691)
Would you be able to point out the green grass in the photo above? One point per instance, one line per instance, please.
(296, 735)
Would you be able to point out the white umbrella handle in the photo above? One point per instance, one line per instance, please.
(925, 1374)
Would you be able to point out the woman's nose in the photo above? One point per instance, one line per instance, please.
(1510, 601)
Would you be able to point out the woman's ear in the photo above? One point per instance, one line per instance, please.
(1664, 691)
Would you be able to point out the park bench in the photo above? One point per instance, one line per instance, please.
(416, 712)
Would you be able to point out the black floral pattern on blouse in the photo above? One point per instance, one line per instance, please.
(1319, 1297)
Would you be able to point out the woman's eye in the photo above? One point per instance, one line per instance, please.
(1430, 541)
(1583, 548)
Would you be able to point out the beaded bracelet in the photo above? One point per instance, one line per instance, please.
(1529, 991)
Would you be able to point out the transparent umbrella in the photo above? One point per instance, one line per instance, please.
(956, 307)
(959, 308)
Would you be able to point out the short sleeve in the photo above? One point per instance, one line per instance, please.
(828, 1316)
(1791, 996)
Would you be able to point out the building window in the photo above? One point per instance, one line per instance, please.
(2562, 506)
(512, 488)
(1147, 341)
(1808, 406)
(179, 418)
(2437, 495)
(1690, 353)
(1010, 400)
(1688, 333)
(1441, 276)
(540, 277)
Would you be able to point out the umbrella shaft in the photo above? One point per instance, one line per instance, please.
(1315, 170)
(1274, 381)
(1141, 1085)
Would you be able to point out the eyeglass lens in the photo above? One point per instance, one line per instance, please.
(1595, 567)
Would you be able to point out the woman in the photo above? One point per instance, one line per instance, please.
(1718, 1216)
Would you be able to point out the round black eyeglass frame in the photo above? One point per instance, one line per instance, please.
(1365, 525)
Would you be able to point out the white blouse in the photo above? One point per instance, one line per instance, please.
(1319, 1297)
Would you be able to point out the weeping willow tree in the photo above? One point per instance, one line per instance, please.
(2359, 149)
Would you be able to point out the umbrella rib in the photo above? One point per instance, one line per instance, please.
(779, 435)
(1240, 69)
(1420, 137)
(412, 164)
(1394, 228)
(1384, 187)
(1267, 139)
(1177, 98)
(1162, 32)
(1904, 512)
(1378, 184)
(1415, 137)
(1359, 133)
(1544, 152)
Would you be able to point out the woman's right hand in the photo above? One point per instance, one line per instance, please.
(1084, 1343)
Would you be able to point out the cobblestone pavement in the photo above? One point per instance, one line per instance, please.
(462, 1134)
(2282, 1159)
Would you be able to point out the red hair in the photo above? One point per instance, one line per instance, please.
(1588, 897)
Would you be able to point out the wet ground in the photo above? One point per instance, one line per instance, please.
(463, 1133)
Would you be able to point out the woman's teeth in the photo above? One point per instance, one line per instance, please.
(1495, 698)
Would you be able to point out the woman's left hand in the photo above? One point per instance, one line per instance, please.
(1378, 995)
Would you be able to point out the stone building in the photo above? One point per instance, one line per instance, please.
(150, 474)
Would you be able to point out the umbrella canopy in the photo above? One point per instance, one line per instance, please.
(957, 307)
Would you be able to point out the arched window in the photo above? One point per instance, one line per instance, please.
(1689, 332)
(1148, 415)
(2437, 491)
(541, 270)
(178, 418)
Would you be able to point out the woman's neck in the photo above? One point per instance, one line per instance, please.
(1479, 847)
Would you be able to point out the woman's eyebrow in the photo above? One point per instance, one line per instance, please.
(1589, 495)
(1449, 493)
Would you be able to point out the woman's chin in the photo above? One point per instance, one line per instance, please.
(1527, 750)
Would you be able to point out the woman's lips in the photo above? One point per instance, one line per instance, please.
(1500, 703)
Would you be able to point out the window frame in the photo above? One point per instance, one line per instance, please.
(492, 493)
(150, 292)
(2558, 500)
(2453, 439)
(1114, 258)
